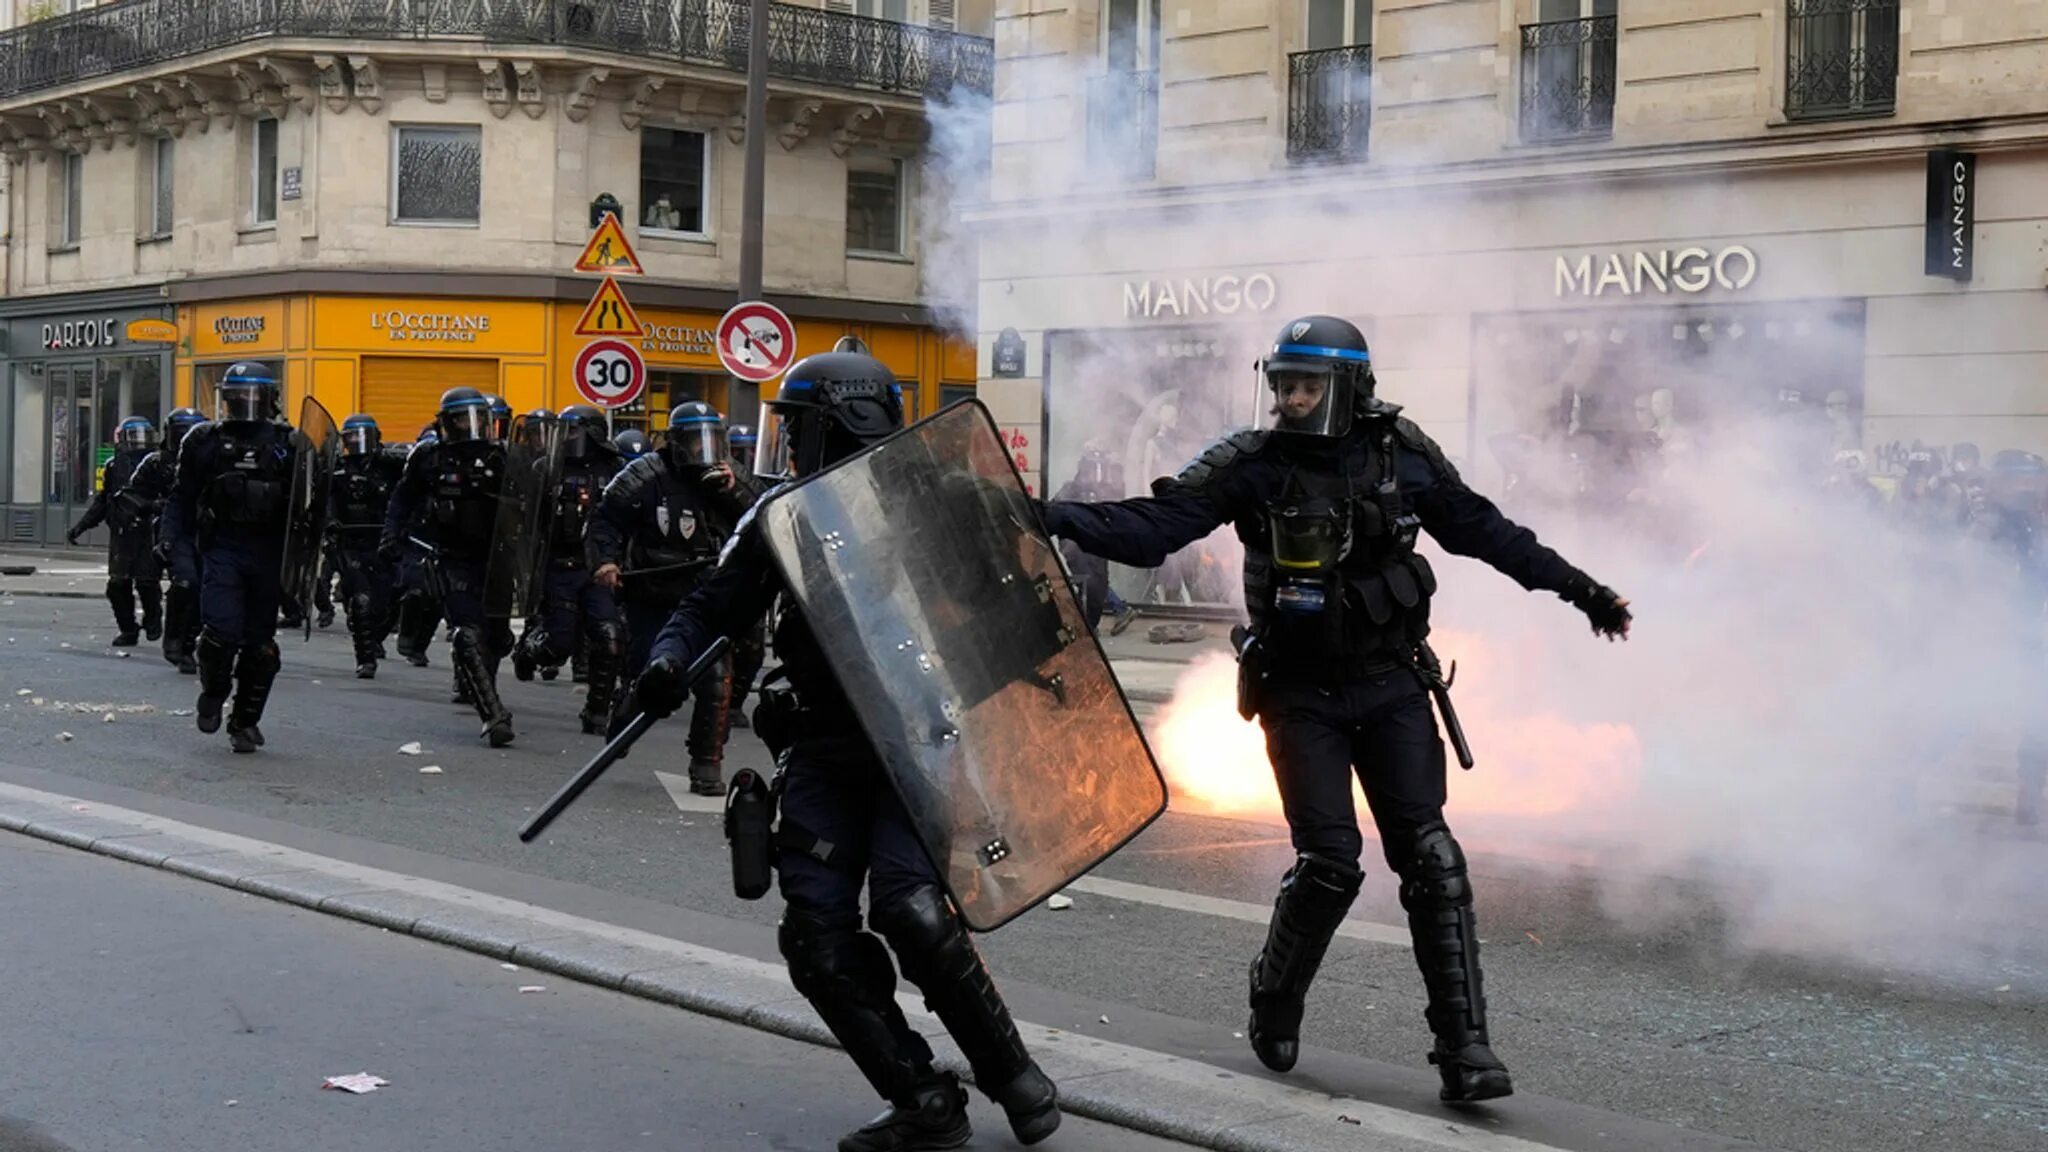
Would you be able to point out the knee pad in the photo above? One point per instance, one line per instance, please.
(1323, 881)
(607, 636)
(260, 662)
(829, 959)
(1434, 874)
(468, 639)
(210, 639)
(926, 934)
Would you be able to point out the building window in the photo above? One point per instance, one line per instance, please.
(675, 170)
(1123, 102)
(263, 175)
(161, 186)
(874, 205)
(72, 188)
(897, 10)
(1841, 58)
(437, 174)
(1568, 70)
(1329, 86)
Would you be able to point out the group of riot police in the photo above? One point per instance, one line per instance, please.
(1329, 497)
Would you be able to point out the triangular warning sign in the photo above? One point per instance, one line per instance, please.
(609, 251)
(609, 314)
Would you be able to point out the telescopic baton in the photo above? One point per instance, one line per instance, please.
(619, 746)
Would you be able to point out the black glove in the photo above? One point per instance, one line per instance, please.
(1602, 605)
(389, 550)
(71, 536)
(660, 689)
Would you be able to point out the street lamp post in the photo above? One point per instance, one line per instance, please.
(752, 197)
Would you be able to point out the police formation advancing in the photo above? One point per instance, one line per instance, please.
(638, 562)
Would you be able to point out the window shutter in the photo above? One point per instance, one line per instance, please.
(404, 392)
(845, 6)
(942, 14)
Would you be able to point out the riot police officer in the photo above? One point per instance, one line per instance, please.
(227, 519)
(574, 607)
(501, 417)
(843, 824)
(658, 529)
(453, 483)
(1328, 502)
(740, 445)
(363, 482)
(130, 513)
(631, 444)
(154, 477)
(419, 589)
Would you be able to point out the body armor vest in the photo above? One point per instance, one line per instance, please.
(681, 541)
(361, 495)
(576, 497)
(462, 500)
(129, 508)
(1330, 569)
(251, 484)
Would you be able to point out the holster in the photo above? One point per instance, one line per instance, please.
(750, 807)
(1251, 670)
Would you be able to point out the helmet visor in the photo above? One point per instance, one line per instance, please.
(134, 436)
(469, 422)
(246, 402)
(1306, 398)
(359, 441)
(772, 452)
(697, 442)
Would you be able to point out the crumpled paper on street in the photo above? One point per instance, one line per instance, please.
(358, 1083)
(410, 748)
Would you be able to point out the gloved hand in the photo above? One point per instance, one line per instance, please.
(389, 550)
(660, 690)
(1603, 606)
(71, 536)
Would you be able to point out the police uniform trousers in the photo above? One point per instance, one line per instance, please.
(571, 603)
(481, 640)
(711, 699)
(241, 585)
(133, 574)
(419, 607)
(367, 585)
(1379, 726)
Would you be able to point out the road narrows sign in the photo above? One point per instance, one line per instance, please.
(608, 314)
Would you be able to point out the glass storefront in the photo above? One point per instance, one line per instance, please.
(63, 417)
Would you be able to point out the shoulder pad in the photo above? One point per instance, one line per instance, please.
(1417, 440)
(1217, 458)
(635, 476)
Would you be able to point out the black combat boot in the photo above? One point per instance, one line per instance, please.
(939, 957)
(1314, 896)
(216, 661)
(1437, 895)
(121, 594)
(932, 1115)
(254, 674)
(473, 671)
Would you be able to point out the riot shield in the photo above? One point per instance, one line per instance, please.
(514, 577)
(317, 444)
(944, 612)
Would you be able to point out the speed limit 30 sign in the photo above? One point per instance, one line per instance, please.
(610, 373)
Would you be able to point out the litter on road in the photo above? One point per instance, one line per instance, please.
(411, 748)
(357, 1083)
(1059, 903)
(431, 770)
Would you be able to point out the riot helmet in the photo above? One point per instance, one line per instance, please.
(631, 443)
(136, 434)
(696, 435)
(360, 435)
(178, 423)
(830, 406)
(465, 416)
(740, 442)
(247, 393)
(501, 417)
(583, 429)
(851, 343)
(1318, 374)
(1097, 472)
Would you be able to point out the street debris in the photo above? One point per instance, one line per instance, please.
(1343, 1119)
(357, 1083)
(411, 748)
(64, 644)
(232, 1103)
(529, 988)
(80, 808)
(181, 711)
(431, 770)
(1059, 903)
(1535, 937)
(36, 700)
(23, 691)
(65, 737)
(107, 719)
(122, 655)
(1104, 1019)
(509, 967)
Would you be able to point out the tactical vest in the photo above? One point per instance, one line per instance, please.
(128, 508)
(679, 541)
(1330, 569)
(576, 497)
(361, 495)
(251, 484)
(462, 501)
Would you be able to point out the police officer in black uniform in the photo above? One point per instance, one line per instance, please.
(154, 478)
(750, 651)
(227, 519)
(129, 513)
(658, 529)
(419, 594)
(574, 607)
(843, 825)
(631, 444)
(1335, 665)
(359, 497)
(455, 482)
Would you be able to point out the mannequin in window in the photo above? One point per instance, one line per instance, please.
(663, 215)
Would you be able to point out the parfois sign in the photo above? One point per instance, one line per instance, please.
(1661, 272)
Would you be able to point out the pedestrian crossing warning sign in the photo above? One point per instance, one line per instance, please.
(609, 314)
(609, 251)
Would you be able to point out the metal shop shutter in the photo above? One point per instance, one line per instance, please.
(404, 392)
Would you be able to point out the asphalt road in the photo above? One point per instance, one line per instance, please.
(149, 1011)
(1617, 1025)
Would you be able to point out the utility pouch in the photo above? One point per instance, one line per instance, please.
(776, 719)
(749, 832)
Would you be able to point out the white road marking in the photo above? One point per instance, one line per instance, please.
(688, 801)
(1365, 930)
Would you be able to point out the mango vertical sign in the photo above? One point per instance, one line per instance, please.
(1951, 214)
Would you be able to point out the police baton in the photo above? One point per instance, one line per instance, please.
(619, 746)
(1439, 687)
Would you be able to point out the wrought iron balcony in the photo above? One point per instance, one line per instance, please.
(1329, 103)
(1841, 58)
(804, 44)
(1568, 79)
(1123, 125)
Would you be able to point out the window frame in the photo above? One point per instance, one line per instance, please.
(1351, 37)
(902, 171)
(162, 211)
(398, 132)
(704, 191)
(1148, 32)
(256, 217)
(71, 191)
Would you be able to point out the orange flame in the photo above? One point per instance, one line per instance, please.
(1531, 763)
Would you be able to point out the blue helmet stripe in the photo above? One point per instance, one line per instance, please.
(469, 404)
(1350, 354)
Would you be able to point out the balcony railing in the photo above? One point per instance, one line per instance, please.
(1841, 58)
(1568, 79)
(1123, 125)
(803, 43)
(1329, 103)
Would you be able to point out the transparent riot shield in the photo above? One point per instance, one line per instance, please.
(317, 444)
(946, 616)
(515, 575)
